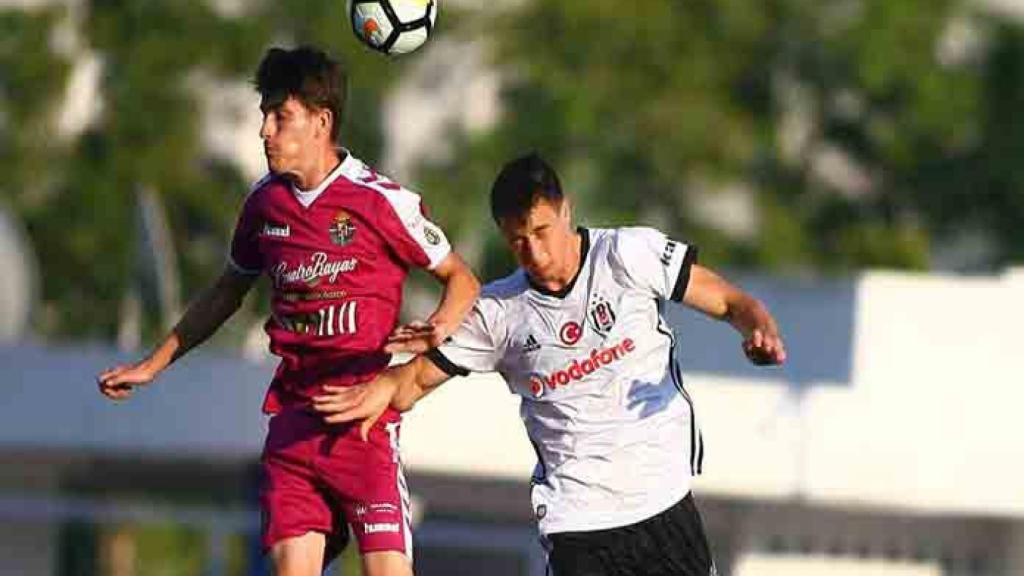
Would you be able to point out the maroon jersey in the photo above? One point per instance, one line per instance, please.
(337, 256)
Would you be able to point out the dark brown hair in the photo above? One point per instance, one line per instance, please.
(306, 73)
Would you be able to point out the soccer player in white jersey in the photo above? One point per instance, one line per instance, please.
(578, 332)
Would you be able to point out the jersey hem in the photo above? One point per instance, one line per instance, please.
(644, 514)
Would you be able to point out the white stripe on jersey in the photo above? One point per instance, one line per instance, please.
(407, 206)
(330, 320)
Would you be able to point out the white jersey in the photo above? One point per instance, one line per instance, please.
(602, 397)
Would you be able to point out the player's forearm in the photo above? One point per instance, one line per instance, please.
(202, 318)
(402, 380)
(746, 314)
(461, 289)
(412, 381)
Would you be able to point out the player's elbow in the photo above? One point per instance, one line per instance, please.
(472, 284)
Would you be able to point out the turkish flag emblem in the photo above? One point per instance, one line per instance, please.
(571, 332)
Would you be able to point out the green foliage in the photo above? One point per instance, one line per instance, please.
(644, 107)
(168, 550)
(78, 197)
(31, 85)
(647, 105)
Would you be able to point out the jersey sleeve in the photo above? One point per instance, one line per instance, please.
(653, 262)
(244, 255)
(406, 228)
(476, 345)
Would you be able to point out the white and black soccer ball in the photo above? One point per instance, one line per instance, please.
(392, 26)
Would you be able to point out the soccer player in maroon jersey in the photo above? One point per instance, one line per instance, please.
(335, 239)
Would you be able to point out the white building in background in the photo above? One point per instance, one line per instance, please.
(450, 88)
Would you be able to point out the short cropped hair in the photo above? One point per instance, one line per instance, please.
(307, 74)
(520, 184)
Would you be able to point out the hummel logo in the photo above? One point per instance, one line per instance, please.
(276, 230)
(531, 344)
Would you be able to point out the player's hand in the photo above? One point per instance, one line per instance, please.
(118, 383)
(366, 402)
(414, 338)
(764, 348)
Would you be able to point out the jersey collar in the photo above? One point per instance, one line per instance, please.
(584, 250)
(347, 166)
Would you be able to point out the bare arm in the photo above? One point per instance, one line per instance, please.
(461, 289)
(202, 318)
(399, 387)
(711, 294)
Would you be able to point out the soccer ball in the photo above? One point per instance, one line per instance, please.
(392, 26)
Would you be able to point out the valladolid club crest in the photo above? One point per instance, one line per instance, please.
(602, 315)
(342, 229)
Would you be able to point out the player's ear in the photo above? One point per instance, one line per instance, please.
(325, 120)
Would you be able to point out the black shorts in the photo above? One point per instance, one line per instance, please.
(671, 543)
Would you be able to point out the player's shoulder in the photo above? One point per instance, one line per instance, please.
(621, 242)
(378, 187)
(506, 289)
(500, 297)
(629, 235)
(499, 301)
(261, 189)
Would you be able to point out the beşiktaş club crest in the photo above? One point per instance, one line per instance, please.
(342, 229)
(602, 314)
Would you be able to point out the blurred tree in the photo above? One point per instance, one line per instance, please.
(78, 198)
(853, 133)
(32, 79)
(859, 130)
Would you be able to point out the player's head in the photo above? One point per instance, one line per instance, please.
(534, 216)
(302, 96)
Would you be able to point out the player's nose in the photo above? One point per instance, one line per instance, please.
(535, 256)
(267, 127)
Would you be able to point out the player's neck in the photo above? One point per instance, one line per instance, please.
(317, 171)
(573, 260)
(572, 263)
